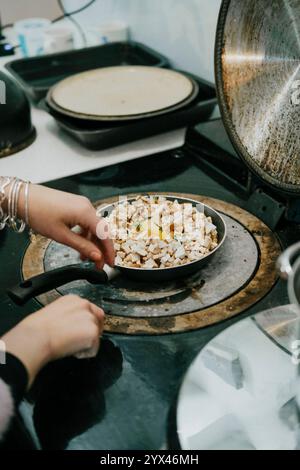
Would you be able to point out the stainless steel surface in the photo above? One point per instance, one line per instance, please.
(289, 268)
(228, 272)
(257, 68)
(281, 325)
(286, 260)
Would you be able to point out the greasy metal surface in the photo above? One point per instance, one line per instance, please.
(258, 286)
(232, 267)
(257, 68)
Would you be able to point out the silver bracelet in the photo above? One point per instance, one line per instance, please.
(11, 218)
(18, 225)
(27, 203)
(10, 202)
(4, 183)
(16, 191)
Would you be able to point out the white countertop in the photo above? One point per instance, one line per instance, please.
(55, 155)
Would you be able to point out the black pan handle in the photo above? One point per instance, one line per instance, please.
(50, 280)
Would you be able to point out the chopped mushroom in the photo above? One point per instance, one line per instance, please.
(153, 232)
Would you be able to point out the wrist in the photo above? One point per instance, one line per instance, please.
(29, 343)
(22, 199)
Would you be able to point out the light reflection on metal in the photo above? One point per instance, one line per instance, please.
(258, 66)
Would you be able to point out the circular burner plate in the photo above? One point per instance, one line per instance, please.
(240, 275)
(232, 267)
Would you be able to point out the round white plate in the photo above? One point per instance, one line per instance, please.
(125, 92)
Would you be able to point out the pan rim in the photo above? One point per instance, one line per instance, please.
(154, 270)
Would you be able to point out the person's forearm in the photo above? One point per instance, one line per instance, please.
(6, 407)
(29, 346)
(13, 385)
(54, 214)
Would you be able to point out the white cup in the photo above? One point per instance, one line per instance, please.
(58, 39)
(106, 33)
(30, 34)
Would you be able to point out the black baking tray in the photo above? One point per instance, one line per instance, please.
(100, 136)
(38, 74)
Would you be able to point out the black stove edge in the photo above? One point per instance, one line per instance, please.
(229, 170)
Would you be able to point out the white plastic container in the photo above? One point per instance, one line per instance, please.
(30, 34)
(105, 33)
(58, 39)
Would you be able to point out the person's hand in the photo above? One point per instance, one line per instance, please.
(53, 214)
(70, 326)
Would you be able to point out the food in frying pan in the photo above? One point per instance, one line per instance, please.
(153, 232)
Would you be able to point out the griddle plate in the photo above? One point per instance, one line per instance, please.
(230, 269)
(241, 274)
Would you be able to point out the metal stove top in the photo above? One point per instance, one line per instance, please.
(240, 275)
(143, 371)
(230, 269)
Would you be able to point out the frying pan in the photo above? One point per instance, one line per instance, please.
(56, 278)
